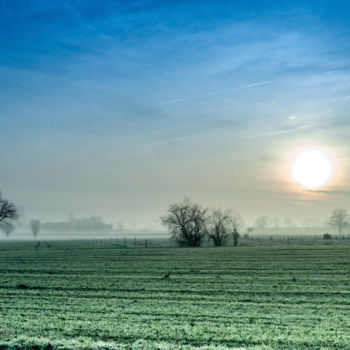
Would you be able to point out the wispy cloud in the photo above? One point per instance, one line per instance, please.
(279, 132)
(343, 193)
(256, 84)
(261, 83)
(174, 101)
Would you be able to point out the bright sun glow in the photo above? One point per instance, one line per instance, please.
(311, 168)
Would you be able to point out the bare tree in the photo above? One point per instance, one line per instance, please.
(187, 223)
(119, 227)
(8, 211)
(7, 226)
(288, 222)
(338, 219)
(220, 225)
(35, 226)
(237, 224)
(262, 222)
(276, 222)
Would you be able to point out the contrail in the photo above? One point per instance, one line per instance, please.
(216, 93)
(256, 84)
(171, 101)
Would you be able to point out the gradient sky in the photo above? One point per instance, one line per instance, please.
(117, 108)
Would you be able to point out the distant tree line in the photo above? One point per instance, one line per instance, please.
(190, 224)
(90, 224)
(9, 214)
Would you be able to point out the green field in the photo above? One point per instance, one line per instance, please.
(83, 296)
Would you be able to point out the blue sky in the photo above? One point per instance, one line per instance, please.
(118, 108)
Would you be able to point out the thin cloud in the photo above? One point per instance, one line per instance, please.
(261, 83)
(171, 101)
(256, 84)
(279, 132)
(331, 192)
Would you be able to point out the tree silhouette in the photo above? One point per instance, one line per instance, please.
(8, 211)
(187, 222)
(220, 224)
(338, 219)
(261, 222)
(7, 227)
(237, 223)
(35, 226)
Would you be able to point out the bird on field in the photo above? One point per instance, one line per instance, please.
(294, 279)
(47, 244)
(167, 275)
(22, 286)
(37, 245)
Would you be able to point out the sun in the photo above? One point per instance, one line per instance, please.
(311, 168)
